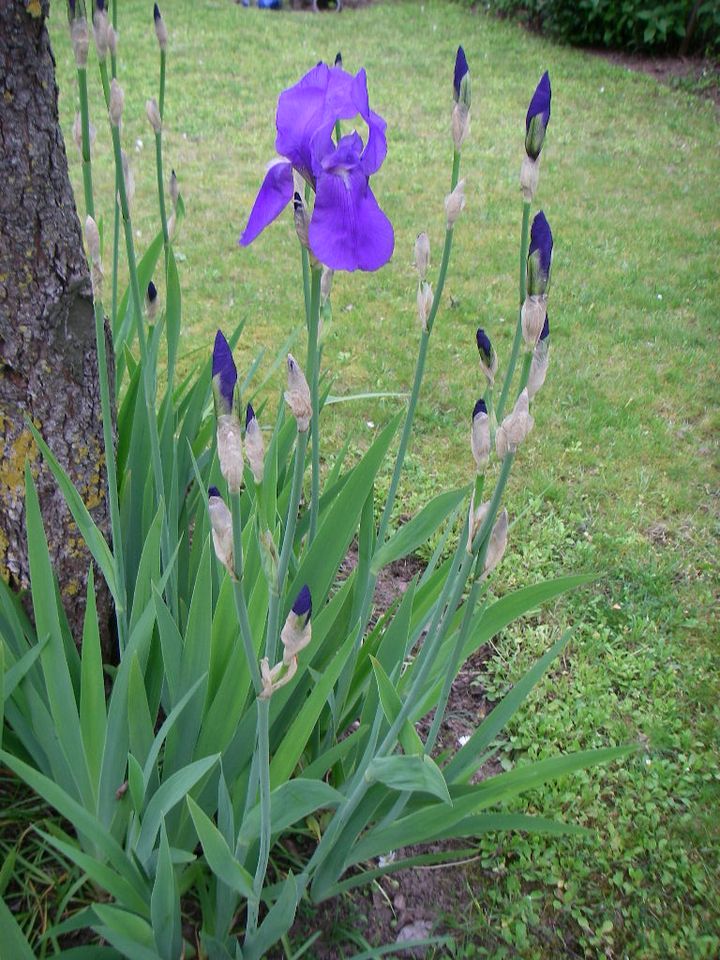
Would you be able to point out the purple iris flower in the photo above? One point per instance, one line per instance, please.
(480, 407)
(348, 230)
(303, 604)
(538, 117)
(213, 492)
(249, 415)
(484, 345)
(224, 375)
(539, 255)
(461, 69)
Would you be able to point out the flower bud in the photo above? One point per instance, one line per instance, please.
(460, 124)
(224, 376)
(539, 261)
(151, 301)
(480, 435)
(276, 678)
(297, 632)
(476, 519)
(461, 79)
(112, 40)
(153, 114)
(297, 395)
(128, 177)
(422, 254)
(540, 361)
(424, 303)
(326, 282)
(338, 60)
(92, 238)
(529, 177)
(222, 532)
(532, 319)
(160, 28)
(455, 203)
(230, 455)
(174, 189)
(538, 117)
(269, 557)
(100, 30)
(302, 221)
(515, 427)
(497, 543)
(254, 445)
(80, 39)
(117, 101)
(488, 357)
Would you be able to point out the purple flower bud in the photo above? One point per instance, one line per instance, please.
(297, 201)
(151, 292)
(224, 374)
(101, 5)
(480, 407)
(539, 256)
(338, 59)
(249, 415)
(156, 12)
(213, 492)
(546, 329)
(538, 117)
(303, 604)
(484, 346)
(461, 72)
(71, 7)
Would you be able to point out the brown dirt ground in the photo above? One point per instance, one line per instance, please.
(699, 75)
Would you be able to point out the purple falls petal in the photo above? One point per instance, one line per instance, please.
(275, 193)
(348, 230)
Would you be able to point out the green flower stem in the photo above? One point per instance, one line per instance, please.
(305, 262)
(518, 328)
(105, 81)
(286, 550)
(525, 374)
(115, 256)
(366, 606)
(85, 124)
(240, 603)
(313, 372)
(115, 526)
(161, 102)
(419, 371)
(161, 197)
(263, 754)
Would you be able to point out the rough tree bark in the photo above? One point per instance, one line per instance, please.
(48, 360)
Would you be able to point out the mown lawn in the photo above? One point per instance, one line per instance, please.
(620, 474)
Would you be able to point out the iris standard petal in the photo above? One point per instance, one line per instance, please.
(274, 195)
(348, 230)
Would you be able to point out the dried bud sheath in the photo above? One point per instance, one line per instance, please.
(422, 254)
(80, 39)
(424, 303)
(515, 427)
(160, 29)
(455, 204)
(117, 102)
(297, 395)
(229, 445)
(153, 114)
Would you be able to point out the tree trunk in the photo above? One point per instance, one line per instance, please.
(48, 359)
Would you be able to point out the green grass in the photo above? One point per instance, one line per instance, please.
(620, 472)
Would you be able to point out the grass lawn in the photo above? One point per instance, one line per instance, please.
(620, 474)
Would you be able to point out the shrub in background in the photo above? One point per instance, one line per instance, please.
(253, 698)
(671, 26)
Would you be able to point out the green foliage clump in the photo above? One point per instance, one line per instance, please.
(636, 25)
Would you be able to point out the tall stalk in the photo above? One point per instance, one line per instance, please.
(313, 371)
(518, 327)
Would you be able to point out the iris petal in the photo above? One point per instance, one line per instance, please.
(348, 230)
(275, 193)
